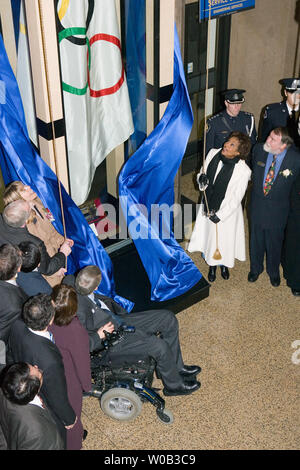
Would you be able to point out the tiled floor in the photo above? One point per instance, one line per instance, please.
(242, 336)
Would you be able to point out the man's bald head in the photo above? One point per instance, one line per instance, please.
(16, 213)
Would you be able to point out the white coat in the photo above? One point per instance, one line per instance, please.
(231, 232)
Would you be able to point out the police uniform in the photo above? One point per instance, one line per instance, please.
(281, 115)
(222, 124)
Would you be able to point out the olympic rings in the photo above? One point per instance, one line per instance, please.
(113, 89)
(63, 8)
(60, 28)
(64, 35)
(69, 33)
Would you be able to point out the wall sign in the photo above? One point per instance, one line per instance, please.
(222, 7)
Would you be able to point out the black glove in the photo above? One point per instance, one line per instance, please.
(203, 181)
(214, 218)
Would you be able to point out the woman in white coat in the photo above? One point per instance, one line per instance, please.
(220, 223)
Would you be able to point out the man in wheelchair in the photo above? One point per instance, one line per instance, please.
(152, 333)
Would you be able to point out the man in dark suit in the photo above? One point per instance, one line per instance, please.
(13, 230)
(30, 341)
(25, 421)
(275, 166)
(99, 313)
(285, 113)
(12, 296)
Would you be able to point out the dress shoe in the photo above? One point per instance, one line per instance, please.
(84, 436)
(212, 273)
(275, 281)
(186, 388)
(188, 371)
(224, 272)
(296, 292)
(252, 277)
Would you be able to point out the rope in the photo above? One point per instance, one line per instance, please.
(217, 255)
(51, 114)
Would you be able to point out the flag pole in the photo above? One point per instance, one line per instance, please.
(41, 18)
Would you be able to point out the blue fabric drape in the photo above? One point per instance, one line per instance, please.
(20, 161)
(147, 178)
(135, 30)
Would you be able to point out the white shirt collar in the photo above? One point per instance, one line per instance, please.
(45, 334)
(290, 109)
(36, 401)
(103, 305)
(13, 282)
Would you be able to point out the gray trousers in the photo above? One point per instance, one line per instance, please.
(144, 342)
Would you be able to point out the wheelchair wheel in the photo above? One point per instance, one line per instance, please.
(121, 404)
(165, 416)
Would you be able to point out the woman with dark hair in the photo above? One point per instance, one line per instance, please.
(219, 229)
(72, 341)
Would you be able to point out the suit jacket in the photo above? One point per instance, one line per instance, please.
(12, 300)
(33, 283)
(28, 427)
(91, 316)
(49, 265)
(272, 210)
(37, 350)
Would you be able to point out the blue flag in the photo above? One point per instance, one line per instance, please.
(20, 161)
(147, 179)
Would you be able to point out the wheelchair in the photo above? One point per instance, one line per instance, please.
(125, 385)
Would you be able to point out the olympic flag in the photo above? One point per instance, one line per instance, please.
(97, 108)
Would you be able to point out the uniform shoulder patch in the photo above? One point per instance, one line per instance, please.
(249, 114)
(214, 116)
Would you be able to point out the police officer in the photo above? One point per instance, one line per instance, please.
(285, 113)
(230, 119)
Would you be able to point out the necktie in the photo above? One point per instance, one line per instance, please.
(51, 337)
(270, 176)
(115, 319)
(295, 116)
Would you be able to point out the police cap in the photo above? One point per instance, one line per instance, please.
(234, 96)
(291, 84)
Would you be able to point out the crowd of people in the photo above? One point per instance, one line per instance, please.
(265, 169)
(51, 322)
